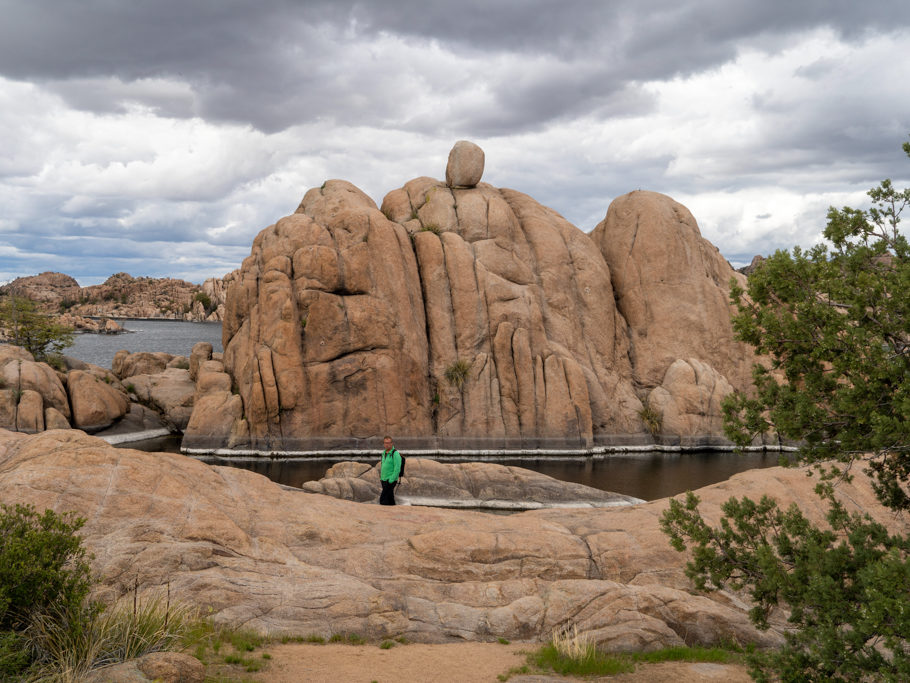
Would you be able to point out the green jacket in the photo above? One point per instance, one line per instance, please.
(391, 465)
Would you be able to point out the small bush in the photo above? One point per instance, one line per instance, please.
(387, 645)
(651, 418)
(42, 564)
(503, 641)
(430, 227)
(571, 653)
(457, 373)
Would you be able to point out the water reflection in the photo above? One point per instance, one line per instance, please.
(644, 475)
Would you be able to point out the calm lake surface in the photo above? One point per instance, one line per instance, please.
(644, 475)
(171, 336)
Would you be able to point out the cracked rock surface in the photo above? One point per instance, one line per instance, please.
(285, 561)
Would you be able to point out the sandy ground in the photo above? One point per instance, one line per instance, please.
(450, 663)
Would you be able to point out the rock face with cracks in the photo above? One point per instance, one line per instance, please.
(465, 316)
(286, 561)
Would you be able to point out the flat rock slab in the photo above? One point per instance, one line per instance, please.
(465, 485)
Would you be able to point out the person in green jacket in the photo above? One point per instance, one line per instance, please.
(390, 467)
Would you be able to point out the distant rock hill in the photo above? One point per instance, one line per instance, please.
(123, 295)
(464, 316)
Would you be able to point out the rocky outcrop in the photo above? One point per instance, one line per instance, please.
(452, 318)
(126, 364)
(35, 397)
(28, 387)
(470, 317)
(121, 296)
(464, 485)
(672, 287)
(48, 288)
(283, 561)
(90, 325)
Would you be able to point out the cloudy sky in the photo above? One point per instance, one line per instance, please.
(157, 137)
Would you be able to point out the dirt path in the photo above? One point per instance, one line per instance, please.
(449, 663)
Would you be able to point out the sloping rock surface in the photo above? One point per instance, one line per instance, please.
(472, 484)
(279, 560)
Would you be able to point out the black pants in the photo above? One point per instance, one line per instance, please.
(387, 497)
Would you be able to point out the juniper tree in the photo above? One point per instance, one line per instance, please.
(833, 320)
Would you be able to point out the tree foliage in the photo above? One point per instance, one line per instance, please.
(42, 563)
(27, 327)
(834, 323)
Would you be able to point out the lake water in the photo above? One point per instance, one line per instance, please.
(171, 336)
(643, 475)
(648, 475)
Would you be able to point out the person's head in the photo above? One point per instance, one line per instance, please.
(387, 442)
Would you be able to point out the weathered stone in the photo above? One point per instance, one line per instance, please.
(465, 166)
(284, 561)
(464, 485)
(96, 404)
(30, 412)
(140, 363)
(202, 352)
(673, 287)
(54, 419)
(161, 667)
(689, 400)
(20, 373)
(170, 392)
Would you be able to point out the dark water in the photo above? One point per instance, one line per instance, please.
(644, 475)
(171, 336)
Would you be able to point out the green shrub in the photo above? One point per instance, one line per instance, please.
(572, 653)
(652, 419)
(14, 655)
(457, 373)
(42, 564)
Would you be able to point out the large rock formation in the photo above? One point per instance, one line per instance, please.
(253, 553)
(49, 288)
(465, 316)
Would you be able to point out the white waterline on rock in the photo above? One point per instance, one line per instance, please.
(483, 454)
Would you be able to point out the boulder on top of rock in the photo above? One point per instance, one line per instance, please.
(465, 166)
